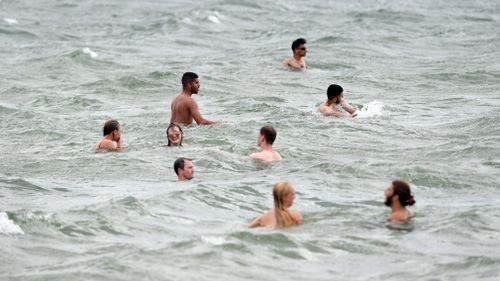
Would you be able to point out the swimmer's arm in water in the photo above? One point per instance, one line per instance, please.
(349, 108)
(195, 112)
(328, 111)
(254, 223)
(296, 216)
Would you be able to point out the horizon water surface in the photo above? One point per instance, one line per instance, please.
(425, 77)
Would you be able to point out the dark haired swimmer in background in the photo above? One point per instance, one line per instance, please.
(265, 141)
(175, 135)
(398, 196)
(112, 140)
(184, 107)
(280, 216)
(299, 50)
(335, 97)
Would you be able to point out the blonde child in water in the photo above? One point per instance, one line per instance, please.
(280, 216)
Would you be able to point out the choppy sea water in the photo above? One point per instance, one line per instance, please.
(425, 76)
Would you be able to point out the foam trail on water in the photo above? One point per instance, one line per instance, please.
(88, 51)
(373, 108)
(10, 21)
(7, 226)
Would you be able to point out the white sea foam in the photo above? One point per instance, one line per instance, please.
(88, 51)
(214, 19)
(7, 226)
(10, 21)
(373, 108)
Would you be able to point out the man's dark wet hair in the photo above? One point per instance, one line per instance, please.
(297, 43)
(110, 126)
(188, 77)
(180, 129)
(179, 163)
(402, 190)
(269, 133)
(333, 91)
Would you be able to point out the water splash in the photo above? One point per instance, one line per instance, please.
(7, 226)
(88, 51)
(372, 109)
(10, 21)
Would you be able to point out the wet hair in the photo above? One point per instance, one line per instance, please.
(172, 125)
(179, 164)
(297, 43)
(402, 190)
(280, 191)
(109, 127)
(333, 91)
(269, 133)
(188, 77)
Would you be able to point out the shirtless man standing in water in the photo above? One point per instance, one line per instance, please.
(299, 52)
(265, 141)
(184, 107)
(335, 97)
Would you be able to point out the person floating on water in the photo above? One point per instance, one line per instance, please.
(184, 108)
(174, 135)
(112, 140)
(280, 216)
(398, 196)
(184, 169)
(265, 141)
(298, 60)
(335, 97)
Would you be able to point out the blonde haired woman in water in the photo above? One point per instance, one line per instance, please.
(279, 216)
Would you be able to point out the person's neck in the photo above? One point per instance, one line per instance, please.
(297, 57)
(186, 92)
(109, 137)
(266, 147)
(329, 102)
(397, 208)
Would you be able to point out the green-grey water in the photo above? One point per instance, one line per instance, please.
(425, 75)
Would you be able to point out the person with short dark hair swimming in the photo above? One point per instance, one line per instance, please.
(280, 216)
(175, 135)
(112, 140)
(265, 141)
(184, 169)
(297, 60)
(335, 97)
(184, 108)
(398, 196)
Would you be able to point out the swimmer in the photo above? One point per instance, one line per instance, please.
(279, 216)
(335, 97)
(265, 142)
(112, 140)
(398, 196)
(298, 60)
(175, 135)
(184, 108)
(184, 169)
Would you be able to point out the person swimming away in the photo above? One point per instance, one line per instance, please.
(265, 141)
(280, 216)
(397, 197)
(112, 140)
(174, 135)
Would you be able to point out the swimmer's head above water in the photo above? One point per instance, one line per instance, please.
(398, 196)
(335, 91)
(184, 169)
(174, 135)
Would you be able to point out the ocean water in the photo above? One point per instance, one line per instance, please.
(425, 77)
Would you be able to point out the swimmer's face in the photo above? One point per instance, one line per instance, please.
(188, 171)
(117, 134)
(340, 99)
(389, 195)
(288, 200)
(195, 86)
(174, 135)
(301, 50)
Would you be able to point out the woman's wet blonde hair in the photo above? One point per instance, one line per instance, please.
(280, 191)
